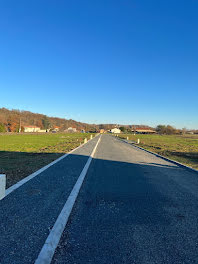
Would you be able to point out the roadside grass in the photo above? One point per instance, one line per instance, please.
(181, 148)
(23, 154)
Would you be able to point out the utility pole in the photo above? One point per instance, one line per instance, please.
(20, 125)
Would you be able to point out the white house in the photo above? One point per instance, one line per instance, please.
(71, 130)
(43, 130)
(31, 129)
(115, 130)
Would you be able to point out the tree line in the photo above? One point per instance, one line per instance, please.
(170, 130)
(14, 120)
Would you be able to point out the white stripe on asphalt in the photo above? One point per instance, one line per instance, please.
(31, 176)
(47, 251)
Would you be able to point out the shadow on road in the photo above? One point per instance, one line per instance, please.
(122, 210)
(131, 213)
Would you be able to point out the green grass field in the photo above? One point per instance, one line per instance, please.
(22, 154)
(181, 148)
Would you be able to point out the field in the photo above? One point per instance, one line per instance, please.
(22, 154)
(181, 148)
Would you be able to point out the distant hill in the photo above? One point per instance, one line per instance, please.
(10, 121)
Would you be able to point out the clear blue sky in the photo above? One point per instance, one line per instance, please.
(101, 61)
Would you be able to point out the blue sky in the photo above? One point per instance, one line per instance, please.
(101, 61)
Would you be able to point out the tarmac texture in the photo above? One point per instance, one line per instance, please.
(133, 207)
(29, 212)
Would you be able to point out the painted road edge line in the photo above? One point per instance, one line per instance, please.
(162, 157)
(46, 254)
(34, 174)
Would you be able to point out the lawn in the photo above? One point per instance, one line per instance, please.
(181, 148)
(22, 154)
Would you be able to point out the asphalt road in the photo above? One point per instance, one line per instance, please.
(133, 207)
(29, 212)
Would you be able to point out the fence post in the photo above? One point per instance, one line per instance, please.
(2, 185)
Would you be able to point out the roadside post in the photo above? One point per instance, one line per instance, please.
(91, 137)
(2, 185)
(85, 140)
(138, 141)
(127, 138)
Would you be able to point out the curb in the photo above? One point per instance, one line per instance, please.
(162, 157)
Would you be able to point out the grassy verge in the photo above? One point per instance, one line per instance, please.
(22, 154)
(180, 148)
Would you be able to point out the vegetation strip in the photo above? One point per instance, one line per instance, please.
(47, 252)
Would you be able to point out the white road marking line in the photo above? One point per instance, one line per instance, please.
(34, 174)
(48, 249)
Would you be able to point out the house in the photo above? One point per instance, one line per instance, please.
(71, 130)
(29, 129)
(115, 130)
(32, 129)
(144, 131)
(190, 132)
(43, 130)
(55, 129)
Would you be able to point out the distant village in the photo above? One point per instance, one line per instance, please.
(115, 130)
(36, 129)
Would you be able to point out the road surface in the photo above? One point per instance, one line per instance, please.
(133, 207)
(29, 213)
